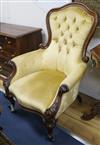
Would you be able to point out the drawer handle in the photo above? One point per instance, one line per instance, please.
(9, 42)
(1, 47)
(6, 38)
(0, 68)
(13, 55)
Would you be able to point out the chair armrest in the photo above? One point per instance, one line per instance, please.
(27, 63)
(65, 86)
(7, 68)
(74, 76)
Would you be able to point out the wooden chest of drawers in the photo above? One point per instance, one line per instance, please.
(16, 40)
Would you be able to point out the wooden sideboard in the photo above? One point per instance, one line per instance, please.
(16, 40)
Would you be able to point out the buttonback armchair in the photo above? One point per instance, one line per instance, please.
(46, 81)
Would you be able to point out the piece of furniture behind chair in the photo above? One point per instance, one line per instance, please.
(95, 109)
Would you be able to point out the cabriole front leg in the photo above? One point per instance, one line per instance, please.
(50, 113)
(50, 124)
(7, 81)
(79, 98)
(12, 102)
(9, 96)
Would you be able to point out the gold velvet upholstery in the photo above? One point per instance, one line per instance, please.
(69, 28)
(37, 90)
(41, 74)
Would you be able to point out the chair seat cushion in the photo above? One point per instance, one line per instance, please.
(37, 90)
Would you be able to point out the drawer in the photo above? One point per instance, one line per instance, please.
(7, 46)
(7, 54)
(8, 43)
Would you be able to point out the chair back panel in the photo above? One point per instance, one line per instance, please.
(69, 27)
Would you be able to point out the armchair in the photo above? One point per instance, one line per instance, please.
(46, 81)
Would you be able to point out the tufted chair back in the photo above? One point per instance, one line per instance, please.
(69, 27)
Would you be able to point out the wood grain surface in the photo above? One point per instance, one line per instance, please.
(87, 130)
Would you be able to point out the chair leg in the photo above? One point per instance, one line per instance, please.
(11, 106)
(50, 125)
(12, 102)
(79, 99)
(95, 110)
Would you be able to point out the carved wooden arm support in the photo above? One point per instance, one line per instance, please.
(8, 68)
(7, 80)
(66, 85)
(51, 112)
(63, 89)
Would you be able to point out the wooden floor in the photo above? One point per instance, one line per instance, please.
(87, 130)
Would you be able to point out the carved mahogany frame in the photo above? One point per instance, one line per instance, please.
(49, 115)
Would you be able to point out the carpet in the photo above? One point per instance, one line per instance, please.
(4, 140)
(25, 128)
